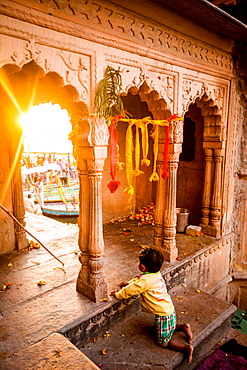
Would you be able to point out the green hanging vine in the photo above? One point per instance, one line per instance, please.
(107, 101)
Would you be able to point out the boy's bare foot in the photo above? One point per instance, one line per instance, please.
(189, 350)
(187, 331)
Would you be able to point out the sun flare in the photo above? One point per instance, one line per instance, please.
(46, 128)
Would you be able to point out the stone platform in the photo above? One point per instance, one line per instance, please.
(30, 312)
(131, 344)
(53, 352)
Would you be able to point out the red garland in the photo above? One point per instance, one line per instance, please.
(113, 185)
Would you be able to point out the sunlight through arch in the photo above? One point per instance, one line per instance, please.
(46, 128)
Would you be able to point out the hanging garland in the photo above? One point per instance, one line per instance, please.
(142, 123)
(108, 103)
(113, 184)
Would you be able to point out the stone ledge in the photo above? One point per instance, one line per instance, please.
(53, 352)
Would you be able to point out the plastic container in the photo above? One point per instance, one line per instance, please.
(183, 215)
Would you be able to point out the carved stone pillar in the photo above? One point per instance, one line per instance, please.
(169, 226)
(160, 201)
(16, 148)
(212, 192)
(215, 220)
(165, 209)
(206, 197)
(83, 222)
(91, 152)
(21, 240)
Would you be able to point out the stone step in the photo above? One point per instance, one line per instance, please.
(131, 345)
(53, 352)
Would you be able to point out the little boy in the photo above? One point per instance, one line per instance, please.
(154, 299)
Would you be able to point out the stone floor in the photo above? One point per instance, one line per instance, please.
(30, 310)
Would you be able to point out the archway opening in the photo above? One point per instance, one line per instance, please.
(190, 175)
(50, 110)
(48, 169)
(46, 128)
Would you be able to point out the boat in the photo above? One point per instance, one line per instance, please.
(56, 191)
(59, 209)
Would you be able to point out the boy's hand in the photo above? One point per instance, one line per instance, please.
(113, 293)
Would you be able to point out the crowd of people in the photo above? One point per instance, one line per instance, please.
(42, 169)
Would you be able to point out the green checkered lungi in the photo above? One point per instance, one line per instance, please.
(165, 326)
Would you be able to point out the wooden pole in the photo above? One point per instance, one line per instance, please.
(15, 219)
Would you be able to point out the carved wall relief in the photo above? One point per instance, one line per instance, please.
(107, 18)
(75, 69)
(157, 88)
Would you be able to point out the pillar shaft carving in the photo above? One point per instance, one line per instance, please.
(169, 225)
(165, 210)
(83, 221)
(21, 240)
(216, 195)
(19, 213)
(160, 204)
(206, 197)
(212, 192)
(90, 161)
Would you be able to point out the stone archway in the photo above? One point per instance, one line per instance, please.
(165, 210)
(29, 86)
(21, 88)
(142, 102)
(209, 161)
(191, 165)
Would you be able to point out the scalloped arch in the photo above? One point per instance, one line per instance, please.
(211, 96)
(156, 105)
(214, 126)
(31, 86)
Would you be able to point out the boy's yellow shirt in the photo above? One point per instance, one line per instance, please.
(153, 293)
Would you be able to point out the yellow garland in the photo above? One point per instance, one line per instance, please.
(129, 165)
(155, 176)
(142, 124)
(137, 171)
(144, 129)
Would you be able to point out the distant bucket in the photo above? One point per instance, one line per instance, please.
(183, 215)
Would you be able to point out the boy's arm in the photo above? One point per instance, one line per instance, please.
(135, 287)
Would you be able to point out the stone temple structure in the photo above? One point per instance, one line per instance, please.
(175, 57)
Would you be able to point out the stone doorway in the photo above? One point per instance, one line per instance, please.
(23, 87)
(191, 165)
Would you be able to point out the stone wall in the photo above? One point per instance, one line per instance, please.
(238, 288)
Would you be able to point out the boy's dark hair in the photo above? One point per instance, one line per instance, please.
(151, 259)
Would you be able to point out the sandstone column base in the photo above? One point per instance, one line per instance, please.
(93, 293)
(170, 255)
